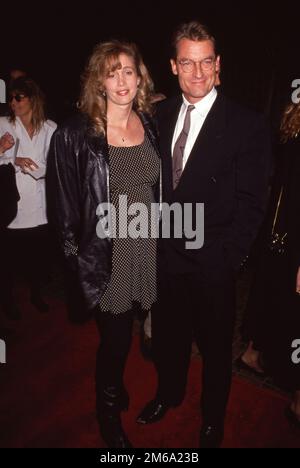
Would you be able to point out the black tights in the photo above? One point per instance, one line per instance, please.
(115, 341)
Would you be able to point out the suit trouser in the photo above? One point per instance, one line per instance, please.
(195, 306)
(26, 252)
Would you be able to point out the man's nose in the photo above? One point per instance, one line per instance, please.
(198, 69)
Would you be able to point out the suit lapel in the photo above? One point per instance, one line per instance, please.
(207, 145)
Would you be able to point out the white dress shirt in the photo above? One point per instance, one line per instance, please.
(32, 204)
(198, 116)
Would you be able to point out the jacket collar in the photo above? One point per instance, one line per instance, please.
(206, 144)
(150, 129)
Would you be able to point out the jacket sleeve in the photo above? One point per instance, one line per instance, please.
(294, 200)
(253, 169)
(63, 196)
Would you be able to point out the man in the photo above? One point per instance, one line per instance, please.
(9, 197)
(217, 153)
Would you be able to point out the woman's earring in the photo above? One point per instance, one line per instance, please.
(103, 93)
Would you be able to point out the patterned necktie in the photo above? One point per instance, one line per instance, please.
(179, 147)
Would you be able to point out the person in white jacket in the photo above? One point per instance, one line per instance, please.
(24, 242)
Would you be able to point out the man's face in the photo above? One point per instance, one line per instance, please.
(196, 66)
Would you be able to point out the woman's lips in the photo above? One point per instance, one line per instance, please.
(122, 93)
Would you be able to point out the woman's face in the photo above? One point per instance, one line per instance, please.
(121, 85)
(20, 104)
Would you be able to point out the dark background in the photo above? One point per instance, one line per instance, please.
(259, 44)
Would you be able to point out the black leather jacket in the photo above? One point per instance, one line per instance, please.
(77, 182)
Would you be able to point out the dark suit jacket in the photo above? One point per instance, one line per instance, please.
(9, 195)
(227, 170)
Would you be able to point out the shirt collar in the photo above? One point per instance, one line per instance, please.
(204, 105)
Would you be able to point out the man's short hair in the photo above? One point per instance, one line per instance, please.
(195, 31)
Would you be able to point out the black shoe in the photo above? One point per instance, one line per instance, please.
(240, 364)
(211, 436)
(292, 417)
(12, 311)
(39, 304)
(112, 431)
(153, 412)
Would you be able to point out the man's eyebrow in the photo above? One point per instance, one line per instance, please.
(210, 57)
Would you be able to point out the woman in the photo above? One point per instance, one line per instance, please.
(108, 153)
(273, 313)
(27, 140)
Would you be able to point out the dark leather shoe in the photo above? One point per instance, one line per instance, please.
(153, 412)
(241, 365)
(112, 432)
(292, 417)
(211, 436)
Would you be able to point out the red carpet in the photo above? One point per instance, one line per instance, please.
(47, 394)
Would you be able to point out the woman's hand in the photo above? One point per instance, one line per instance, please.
(6, 142)
(26, 164)
(298, 282)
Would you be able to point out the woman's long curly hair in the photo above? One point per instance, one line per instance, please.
(105, 59)
(29, 88)
(290, 124)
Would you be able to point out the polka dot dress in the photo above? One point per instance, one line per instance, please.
(133, 172)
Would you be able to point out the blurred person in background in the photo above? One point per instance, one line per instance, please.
(272, 318)
(28, 134)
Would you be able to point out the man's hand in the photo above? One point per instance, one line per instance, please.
(26, 164)
(6, 142)
(298, 282)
